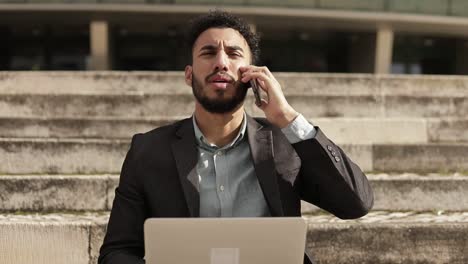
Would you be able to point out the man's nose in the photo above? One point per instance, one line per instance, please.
(221, 62)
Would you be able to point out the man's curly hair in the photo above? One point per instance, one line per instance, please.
(222, 19)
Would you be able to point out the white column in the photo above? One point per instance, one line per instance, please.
(99, 38)
(383, 52)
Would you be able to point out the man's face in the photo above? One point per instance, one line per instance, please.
(214, 75)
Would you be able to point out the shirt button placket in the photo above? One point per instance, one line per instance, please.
(220, 180)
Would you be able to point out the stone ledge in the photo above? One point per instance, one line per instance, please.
(344, 130)
(85, 218)
(389, 217)
(56, 193)
(341, 130)
(423, 158)
(52, 238)
(383, 243)
(102, 156)
(173, 104)
(36, 193)
(413, 192)
(377, 217)
(379, 238)
(58, 156)
(293, 83)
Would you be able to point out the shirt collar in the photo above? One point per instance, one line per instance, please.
(203, 143)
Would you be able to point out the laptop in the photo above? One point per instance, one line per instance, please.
(262, 240)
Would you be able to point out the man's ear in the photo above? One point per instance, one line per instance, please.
(188, 75)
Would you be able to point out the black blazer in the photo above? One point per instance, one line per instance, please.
(158, 179)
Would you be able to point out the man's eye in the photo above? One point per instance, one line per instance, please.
(208, 53)
(235, 54)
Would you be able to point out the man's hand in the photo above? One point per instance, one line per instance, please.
(277, 110)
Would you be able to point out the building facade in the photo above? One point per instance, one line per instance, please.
(352, 36)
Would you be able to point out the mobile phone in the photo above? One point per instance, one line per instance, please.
(255, 89)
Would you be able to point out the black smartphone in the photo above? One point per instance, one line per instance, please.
(256, 91)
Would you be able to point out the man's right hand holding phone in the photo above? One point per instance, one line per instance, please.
(277, 109)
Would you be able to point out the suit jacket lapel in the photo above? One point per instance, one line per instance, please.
(260, 139)
(185, 153)
(261, 147)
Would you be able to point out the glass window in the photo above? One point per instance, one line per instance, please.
(424, 55)
(45, 47)
(161, 50)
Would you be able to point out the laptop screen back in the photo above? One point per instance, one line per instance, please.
(271, 240)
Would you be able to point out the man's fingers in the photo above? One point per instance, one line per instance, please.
(260, 76)
(262, 83)
(267, 71)
(252, 68)
(264, 104)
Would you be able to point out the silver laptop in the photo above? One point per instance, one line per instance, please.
(262, 240)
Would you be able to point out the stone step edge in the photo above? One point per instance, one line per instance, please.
(112, 118)
(127, 140)
(172, 119)
(342, 130)
(374, 217)
(65, 140)
(188, 92)
(179, 117)
(146, 81)
(78, 239)
(56, 193)
(370, 176)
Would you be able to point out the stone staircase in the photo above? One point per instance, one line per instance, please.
(63, 136)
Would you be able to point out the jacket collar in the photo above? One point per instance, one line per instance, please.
(261, 148)
(185, 152)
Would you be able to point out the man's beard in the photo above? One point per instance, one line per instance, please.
(220, 104)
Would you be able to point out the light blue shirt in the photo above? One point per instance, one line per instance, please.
(227, 181)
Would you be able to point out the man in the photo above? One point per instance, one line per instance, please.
(223, 163)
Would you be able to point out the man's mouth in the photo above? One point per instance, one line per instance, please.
(220, 81)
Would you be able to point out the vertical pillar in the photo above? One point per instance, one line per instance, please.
(383, 52)
(99, 38)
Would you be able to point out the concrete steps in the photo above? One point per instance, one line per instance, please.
(78, 127)
(63, 137)
(52, 193)
(51, 238)
(394, 237)
(411, 192)
(341, 130)
(91, 156)
(173, 104)
(173, 83)
(406, 237)
(57, 156)
(165, 94)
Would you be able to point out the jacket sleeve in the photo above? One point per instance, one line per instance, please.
(124, 242)
(330, 180)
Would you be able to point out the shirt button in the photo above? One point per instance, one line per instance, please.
(219, 153)
(221, 188)
(329, 148)
(301, 133)
(337, 159)
(333, 153)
